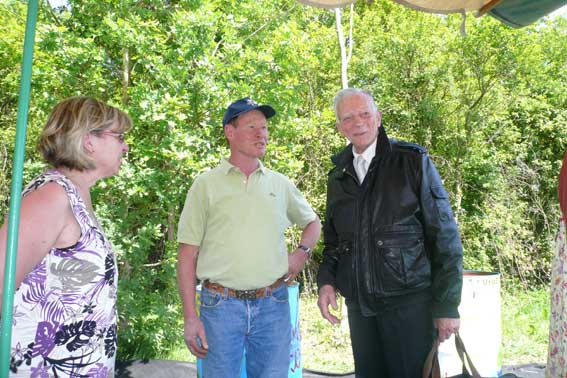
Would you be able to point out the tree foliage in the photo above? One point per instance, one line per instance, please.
(490, 107)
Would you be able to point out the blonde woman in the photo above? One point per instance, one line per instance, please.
(64, 321)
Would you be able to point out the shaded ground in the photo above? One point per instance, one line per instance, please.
(176, 369)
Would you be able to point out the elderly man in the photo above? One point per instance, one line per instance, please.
(392, 247)
(234, 220)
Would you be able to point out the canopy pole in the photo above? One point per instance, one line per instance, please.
(16, 191)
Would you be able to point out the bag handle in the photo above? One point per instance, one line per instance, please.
(431, 367)
(461, 350)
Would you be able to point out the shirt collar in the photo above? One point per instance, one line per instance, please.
(226, 167)
(368, 154)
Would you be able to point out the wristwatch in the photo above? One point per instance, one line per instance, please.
(305, 249)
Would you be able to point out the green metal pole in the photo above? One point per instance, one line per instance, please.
(16, 192)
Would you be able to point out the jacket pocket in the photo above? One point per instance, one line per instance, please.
(441, 199)
(417, 266)
(401, 263)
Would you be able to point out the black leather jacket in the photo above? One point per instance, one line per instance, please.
(394, 234)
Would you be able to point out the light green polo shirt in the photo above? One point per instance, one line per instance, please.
(239, 224)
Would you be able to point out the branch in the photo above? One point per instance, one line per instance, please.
(153, 265)
(350, 38)
(46, 6)
(267, 23)
(219, 43)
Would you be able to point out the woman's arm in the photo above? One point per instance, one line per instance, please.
(46, 221)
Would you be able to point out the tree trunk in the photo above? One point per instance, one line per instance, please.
(345, 58)
(344, 62)
(125, 75)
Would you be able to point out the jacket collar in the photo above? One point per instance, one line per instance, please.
(343, 159)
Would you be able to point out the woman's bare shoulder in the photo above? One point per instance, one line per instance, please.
(48, 201)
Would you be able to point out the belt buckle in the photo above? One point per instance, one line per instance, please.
(245, 294)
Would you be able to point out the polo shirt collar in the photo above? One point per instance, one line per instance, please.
(226, 167)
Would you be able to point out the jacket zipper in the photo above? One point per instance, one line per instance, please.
(376, 281)
(355, 283)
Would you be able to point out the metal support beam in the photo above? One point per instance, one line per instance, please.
(16, 191)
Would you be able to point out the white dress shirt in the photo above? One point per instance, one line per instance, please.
(362, 161)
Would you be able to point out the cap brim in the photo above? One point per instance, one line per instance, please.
(267, 110)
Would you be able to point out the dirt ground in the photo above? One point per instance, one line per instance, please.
(176, 369)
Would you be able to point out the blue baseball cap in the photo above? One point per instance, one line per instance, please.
(244, 105)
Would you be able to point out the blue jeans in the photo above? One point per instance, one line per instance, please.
(261, 326)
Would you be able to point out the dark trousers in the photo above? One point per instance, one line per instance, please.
(392, 344)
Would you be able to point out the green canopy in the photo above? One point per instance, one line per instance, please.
(515, 13)
(519, 13)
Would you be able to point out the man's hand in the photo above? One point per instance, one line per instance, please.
(195, 338)
(327, 296)
(295, 261)
(446, 327)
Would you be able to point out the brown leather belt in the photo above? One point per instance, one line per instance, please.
(243, 294)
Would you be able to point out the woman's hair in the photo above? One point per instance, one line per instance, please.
(61, 141)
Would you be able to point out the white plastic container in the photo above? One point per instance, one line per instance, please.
(480, 330)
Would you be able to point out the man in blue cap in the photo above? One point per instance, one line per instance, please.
(234, 221)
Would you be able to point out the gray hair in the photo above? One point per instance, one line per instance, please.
(349, 92)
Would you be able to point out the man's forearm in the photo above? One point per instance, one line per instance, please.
(311, 233)
(187, 278)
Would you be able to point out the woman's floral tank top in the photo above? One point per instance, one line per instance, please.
(64, 319)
